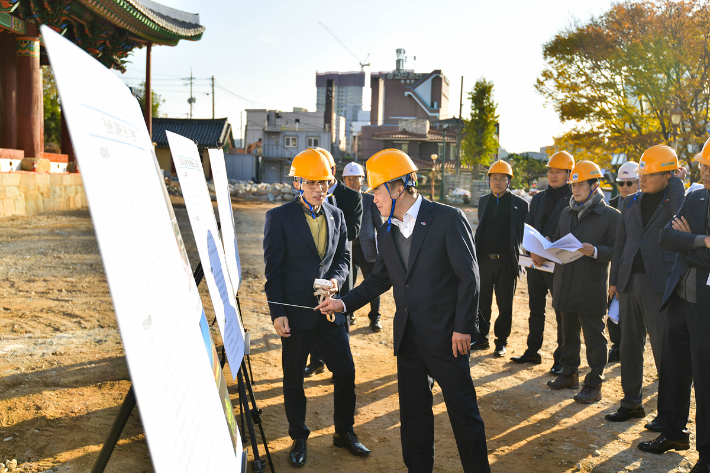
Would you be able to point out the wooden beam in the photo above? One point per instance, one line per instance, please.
(148, 99)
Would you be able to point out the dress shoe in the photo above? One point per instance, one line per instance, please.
(350, 441)
(624, 413)
(499, 351)
(352, 320)
(654, 425)
(315, 367)
(589, 394)
(702, 466)
(532, 358)
(661, 444)
(556, 368)
(480, 345)
(297, 455)
(614, 355)
(570, 381)
(375, 325)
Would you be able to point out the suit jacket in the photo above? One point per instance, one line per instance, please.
(350, 202)
(537, 206)
(581, 286)
(292, 261)
(632, 236)
(518, 214)
(438, 290)
(695, 211)
(371, 222)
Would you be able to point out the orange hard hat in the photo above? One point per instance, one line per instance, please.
(500, 167)
(585, 170)
(387, 165)
(312, 165)
(327, 154)
(658, 158)
(561, 160)
(704, 156)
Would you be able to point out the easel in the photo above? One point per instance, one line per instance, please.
(244, 383)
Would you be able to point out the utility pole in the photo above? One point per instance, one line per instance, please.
(443, 165)
(212, 97)
(192, 99)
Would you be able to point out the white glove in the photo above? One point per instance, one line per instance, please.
(321, 287)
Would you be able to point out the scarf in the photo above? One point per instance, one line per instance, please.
(581, 210)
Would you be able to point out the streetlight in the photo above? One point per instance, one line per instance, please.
(443, 163)
(433, 158)
(676, 116)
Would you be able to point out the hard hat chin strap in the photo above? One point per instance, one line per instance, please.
(591, 191)
(300, 191)
(394, 201)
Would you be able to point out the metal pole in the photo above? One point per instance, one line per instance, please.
(443, 165)
(458, 132)
(191, 80)
(212, 97)
(148, 95)
(129, 403)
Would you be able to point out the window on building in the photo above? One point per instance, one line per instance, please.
(291, 141)
(313, 142)
(403, 146)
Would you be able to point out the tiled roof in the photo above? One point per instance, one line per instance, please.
(450, 165)
(208, 133)
(433, 135)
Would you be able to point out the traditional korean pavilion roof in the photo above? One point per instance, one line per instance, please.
(207, 133)
(107, 29)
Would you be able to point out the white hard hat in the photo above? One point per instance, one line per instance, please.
(353, 169)
(628, 172)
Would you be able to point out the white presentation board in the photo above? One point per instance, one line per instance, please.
(191, 175)
(226, 216)
(189, 426)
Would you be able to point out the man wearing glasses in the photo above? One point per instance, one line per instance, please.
(685, 343)
(639, 269)
(305, 240)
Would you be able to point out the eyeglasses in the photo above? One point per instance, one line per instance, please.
(313, 185)
(626, 183)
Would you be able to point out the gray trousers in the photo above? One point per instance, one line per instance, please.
(593, 328)
(639, 312)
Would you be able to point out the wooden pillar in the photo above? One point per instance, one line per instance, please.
(148, 108)
(8, 92)
(30, 110)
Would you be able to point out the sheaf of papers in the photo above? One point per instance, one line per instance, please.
(527, 261)
(614, 310)
(708, 283)
(562, 251)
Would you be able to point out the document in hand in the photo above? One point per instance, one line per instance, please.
(614, 310)
(562, 251)
(527, 261)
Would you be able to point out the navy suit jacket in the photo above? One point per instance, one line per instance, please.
(518, 214)
(695, 211)
(292, 261)
(438, 290)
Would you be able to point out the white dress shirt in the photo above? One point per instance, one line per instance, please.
(406, 226)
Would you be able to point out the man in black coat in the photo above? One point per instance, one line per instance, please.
(427, 256)
(501, 218)
(305, 240)
(544, 214)
(686, 352)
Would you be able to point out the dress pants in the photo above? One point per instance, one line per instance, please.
(593, 328)
(335, 343)
(639, 312)
(359, 261)
(614, 333)
(416, 371)
(499, 275)
(686, 352)
(539, 284)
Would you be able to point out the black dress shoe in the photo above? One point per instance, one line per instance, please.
(661, 444)
(532, 358)
(624, 413)
(702, 466)
(297, 455)
(654, 425)
(480, 345)
(315, 367)
(614, 356)
(349, 440)
(375, 325)
(352, 320)
(499, 351)
(556, 368)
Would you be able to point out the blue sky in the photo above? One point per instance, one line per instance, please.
(265, 55)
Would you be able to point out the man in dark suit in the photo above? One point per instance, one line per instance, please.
(544, 215)
(305, 240)
(350, 203)
(639, 269)
(427, 256)
(686, 351)
(501, 218)
(364, 246)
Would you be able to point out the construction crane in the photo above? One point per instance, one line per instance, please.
(362, 63)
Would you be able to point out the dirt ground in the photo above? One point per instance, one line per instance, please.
(63, 375)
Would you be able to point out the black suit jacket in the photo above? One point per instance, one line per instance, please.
(438, 291)
(537, 206)
(518, 214)
(292, 261)
(350, 202)
(695, 211)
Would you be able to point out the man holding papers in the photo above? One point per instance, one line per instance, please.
(639, 269)
(545, 210)
(580, 286)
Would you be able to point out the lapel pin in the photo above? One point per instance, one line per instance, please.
(331, 218)
(423, 223)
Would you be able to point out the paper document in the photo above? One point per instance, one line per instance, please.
(708, 283)
(614, 310)
(527, 261)
(562, 251)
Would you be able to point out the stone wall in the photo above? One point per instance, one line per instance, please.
(31, 193)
